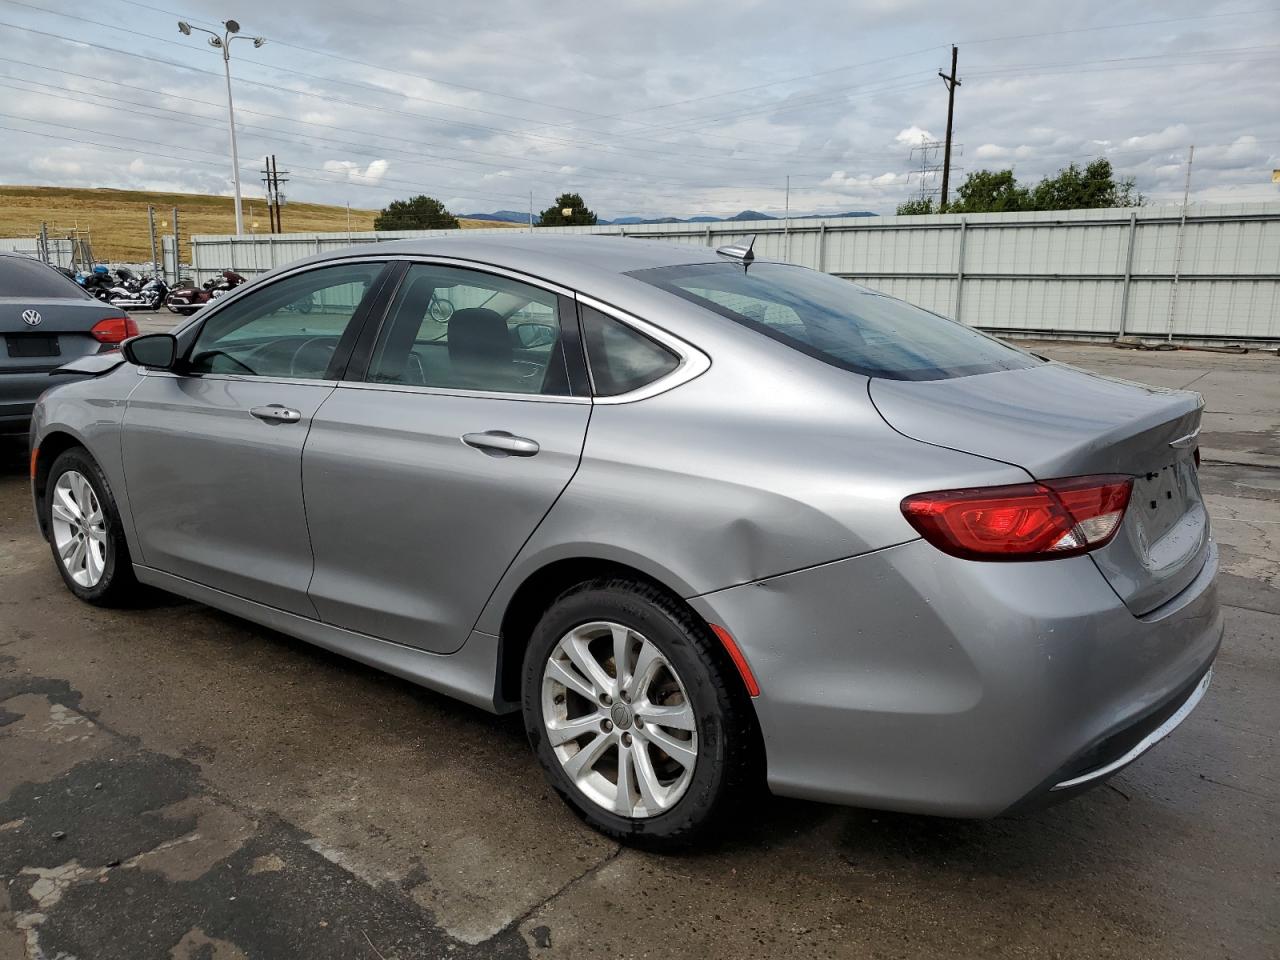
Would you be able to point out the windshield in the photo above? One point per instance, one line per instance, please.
(839, 322)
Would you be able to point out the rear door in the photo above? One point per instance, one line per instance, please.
(213, 453)
(425, 477)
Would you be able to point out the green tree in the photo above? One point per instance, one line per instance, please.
(1073, 188)
(578, 216)
(916, 206)
(990, 191)
(417, 213)
(1090, 187)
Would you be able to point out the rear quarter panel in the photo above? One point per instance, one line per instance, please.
(767, 463)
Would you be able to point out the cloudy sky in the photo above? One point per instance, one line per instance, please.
(646, 107)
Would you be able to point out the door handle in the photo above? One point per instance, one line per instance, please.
(275, 413)
(500, 443)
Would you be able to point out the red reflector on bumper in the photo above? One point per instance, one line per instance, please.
(739, 661)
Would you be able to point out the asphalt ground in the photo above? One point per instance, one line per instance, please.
(177, 783)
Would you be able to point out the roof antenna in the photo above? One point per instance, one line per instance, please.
(740, 252)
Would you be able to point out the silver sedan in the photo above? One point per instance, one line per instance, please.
(708, 522)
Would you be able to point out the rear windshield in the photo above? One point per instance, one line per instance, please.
(839, 322)
(22, 277)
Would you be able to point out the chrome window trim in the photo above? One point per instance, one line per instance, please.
(460, 392)
(481, 266)
(237, 378)
(693, 362)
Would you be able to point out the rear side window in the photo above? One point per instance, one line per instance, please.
(22, 277)
(839, 322)
(622, 359)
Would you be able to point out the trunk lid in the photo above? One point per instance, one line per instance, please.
(1057, 421)
(60, 335)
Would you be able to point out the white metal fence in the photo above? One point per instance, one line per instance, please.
(59, 251)
(1099, 273)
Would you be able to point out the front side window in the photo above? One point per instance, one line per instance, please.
(838, 322)
(290, 328)
(461, 329)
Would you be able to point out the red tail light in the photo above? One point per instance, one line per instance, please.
(1025, 521)
(115, 329)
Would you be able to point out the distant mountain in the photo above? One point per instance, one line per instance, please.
(501, 216)
(515, 216)
(751, 215)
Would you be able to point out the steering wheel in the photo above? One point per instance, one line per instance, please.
(325, 345)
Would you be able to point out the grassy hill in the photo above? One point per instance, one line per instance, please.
(116, 220)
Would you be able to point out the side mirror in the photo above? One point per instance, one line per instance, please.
(159, 351)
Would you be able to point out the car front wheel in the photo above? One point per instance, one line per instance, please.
(633, 717)
(85, 532)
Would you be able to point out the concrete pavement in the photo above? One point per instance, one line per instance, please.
(178, 783)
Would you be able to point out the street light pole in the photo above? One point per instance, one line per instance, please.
(223, 43)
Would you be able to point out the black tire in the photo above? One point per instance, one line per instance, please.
(118, 586)
(726, 769)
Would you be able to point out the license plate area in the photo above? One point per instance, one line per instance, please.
(27, 345)
(1162, 496)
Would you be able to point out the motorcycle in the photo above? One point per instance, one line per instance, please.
(186, 298)
(149, 296)
(98, 283)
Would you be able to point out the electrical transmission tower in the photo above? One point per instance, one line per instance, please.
(924, 156)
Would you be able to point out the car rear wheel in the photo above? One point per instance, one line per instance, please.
(85, 532)
(633, 718)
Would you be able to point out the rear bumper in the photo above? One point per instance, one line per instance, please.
(18, 395)
(909, 680)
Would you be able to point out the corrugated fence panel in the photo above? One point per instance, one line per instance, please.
(1062, 272)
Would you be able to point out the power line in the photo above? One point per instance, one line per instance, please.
(330, 55)
(195, 120)
(329, 98)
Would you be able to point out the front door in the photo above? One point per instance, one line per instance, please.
(424, 480)
(213, 452)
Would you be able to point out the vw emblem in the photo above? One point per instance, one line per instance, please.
(31, 317)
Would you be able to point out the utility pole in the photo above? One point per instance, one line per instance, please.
(1177, 249)
(155, 258)
(786, 223)
(952, 82)
(280, 197)
(177, 248)
(531, 211)
(269, 187)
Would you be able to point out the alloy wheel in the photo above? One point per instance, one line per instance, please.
(618, 718)
(79, 529)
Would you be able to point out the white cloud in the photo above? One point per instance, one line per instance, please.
(990, 151)
(1174, 135)
(912, 136)
(370, 175)
(634, 114)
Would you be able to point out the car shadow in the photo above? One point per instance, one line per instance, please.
(15, 455)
